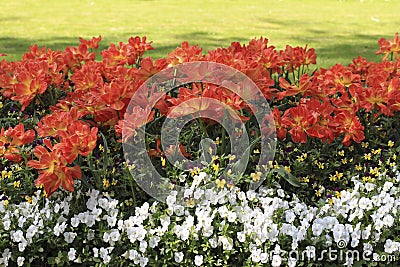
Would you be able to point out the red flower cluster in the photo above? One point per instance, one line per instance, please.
(12, 139)
(325, 105)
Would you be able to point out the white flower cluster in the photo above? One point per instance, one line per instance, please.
(265, 226)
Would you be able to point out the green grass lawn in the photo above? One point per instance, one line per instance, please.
(339, 30)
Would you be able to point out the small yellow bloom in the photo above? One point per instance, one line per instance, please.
(321, 165)
(367, 156)
(163, 161)
(190, 202)
(217, 141)
(344, 161)
(6, 202)
(341, 153)
(232, 157)
(106, 183)
(101, 148)
(331, 201)
(351, 148)
(194, 171)
(114, 182)
(287, 168)
(255, 176)
(364, 144)
(220, 183)
(358, 167)
(17, 184)
(376, 151)
(1, 105)
(339, 175)
(230, 185)
(390, 143)
(317, 193)
(28, 199)
(216, 168)
(338, 194)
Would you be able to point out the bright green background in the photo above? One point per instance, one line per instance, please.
(339, 30)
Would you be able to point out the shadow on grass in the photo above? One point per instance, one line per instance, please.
(15, 47)
(328, 51)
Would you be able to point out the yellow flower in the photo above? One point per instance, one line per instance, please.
(220, 183)
(364, 144)
(287, 168)
(114, 182)
(217, 141)
(216, 168)
(190, 202)
(331, 201)
(390, 143)
(358, 167)
(338, 194)
(321, 165)
(1, 105)
(344, 161)
(376, 151)
(230, 185)
(163, 161)
(256, 151)
(317, 193)
(333, 178)
(339, 175)
(17, 184)
(255, 176)
(194, 171)
(106, 183)
(232, 157)
(28, 199)
(101, 148)
(6, 202)
(341, 153)
(129, 202)
(367, 156)
(351, 148)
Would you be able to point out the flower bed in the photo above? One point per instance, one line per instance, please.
(329, 196)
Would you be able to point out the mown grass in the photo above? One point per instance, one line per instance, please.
(339, 30)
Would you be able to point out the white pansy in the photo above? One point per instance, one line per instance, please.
(20, 261)
(198, 260)
(178, 256)
(71, 254)
(276, 260)
(69, 237)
